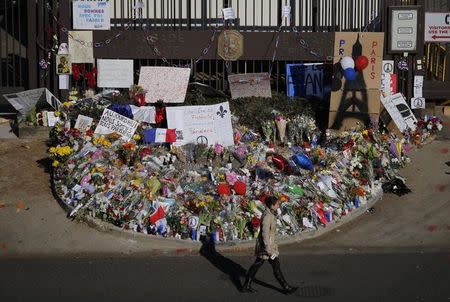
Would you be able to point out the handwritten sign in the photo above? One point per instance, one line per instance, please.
(308, 80)
(80, 47)
(228, 13)
(168, 84)
(114, 122)
(115, 73)
(92, 14)
(201, 124)
(83, 123)
(250, 84)
(399, 111)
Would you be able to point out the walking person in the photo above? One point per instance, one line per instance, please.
(267, 249)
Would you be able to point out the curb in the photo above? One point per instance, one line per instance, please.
(189, 247)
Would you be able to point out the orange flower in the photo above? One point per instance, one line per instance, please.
(129, 146)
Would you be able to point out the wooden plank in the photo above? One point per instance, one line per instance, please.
(189, 44)
(436, 90)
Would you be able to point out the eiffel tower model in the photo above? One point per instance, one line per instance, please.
(349, 100)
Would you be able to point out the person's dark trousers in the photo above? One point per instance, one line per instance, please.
(275, 263)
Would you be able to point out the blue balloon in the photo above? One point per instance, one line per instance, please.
(350, 74)
(303, 161)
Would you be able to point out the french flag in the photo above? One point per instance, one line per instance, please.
(159, 135)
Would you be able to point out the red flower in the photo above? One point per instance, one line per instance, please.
(90, 132)
(256, 222)
(145, 151)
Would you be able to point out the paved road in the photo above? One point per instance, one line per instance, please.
(344, 277)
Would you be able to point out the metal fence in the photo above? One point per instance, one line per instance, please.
(26, 31)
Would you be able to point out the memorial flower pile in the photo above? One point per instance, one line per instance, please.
(190, 190)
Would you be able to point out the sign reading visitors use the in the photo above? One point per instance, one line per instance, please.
(437, 27)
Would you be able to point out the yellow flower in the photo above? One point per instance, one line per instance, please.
(52, 150)
(55, 163)
(57, 113)
(67, 104)
(136, 137)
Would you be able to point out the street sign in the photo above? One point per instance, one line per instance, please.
(403, 34)
(437, 27)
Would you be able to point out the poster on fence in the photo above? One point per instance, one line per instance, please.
(208, 124)
(308, 80)
(80, 47)
(399, 111)
(167, 84)
(115, 73)
(114, 122)
(92, 14)
(250, 84)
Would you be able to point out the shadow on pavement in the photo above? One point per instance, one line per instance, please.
(232, 269)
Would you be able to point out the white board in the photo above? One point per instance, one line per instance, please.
(168, 84)
(437, 27)
(80, 47)
(115, 73)
(209, 124)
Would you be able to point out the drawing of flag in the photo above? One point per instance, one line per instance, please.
(160, 135)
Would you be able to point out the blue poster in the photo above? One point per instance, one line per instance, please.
(308, 80)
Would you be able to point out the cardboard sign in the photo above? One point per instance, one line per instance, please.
(83, 123)
(250, 84)
(115, 73)
(201, 124)
(367, 44)
(437, 27)
(92, 14)
(168, 84)
(399, 111)
(308, 80)
(114, 122)
(52, 119)
(80, 47)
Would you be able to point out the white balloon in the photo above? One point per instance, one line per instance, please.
(347, 62)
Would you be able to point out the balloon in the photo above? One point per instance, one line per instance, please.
(281, 163)
(361, 63)
(350, 74)
(303, 161)
(347, 62)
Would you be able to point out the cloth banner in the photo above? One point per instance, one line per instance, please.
(159, 135)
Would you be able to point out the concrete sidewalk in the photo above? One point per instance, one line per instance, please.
(33, 223)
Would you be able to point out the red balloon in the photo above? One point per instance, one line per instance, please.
(361, 63)
(281, 163)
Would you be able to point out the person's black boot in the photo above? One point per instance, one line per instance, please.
(247, 287)
(287, 289)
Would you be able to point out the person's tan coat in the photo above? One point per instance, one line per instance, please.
(265, 244)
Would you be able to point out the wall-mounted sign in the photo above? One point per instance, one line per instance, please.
(437, 27)
(403, 33)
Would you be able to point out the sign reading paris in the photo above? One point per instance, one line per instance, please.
(230, 45)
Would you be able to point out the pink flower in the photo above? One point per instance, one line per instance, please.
(231, 177)
(218, 148)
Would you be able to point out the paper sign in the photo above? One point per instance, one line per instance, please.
(83, 123)
(228, 13)
(25, 101)
(144, 114)
(308, 80)
(92, 14)
(115, 73)
(168, 84)
(387, 69)
(286, 11)
(250, 84)
(418, 103)
(51, 119)
(201, 124)
(80, 47)
(114, 122)
(399, 111)
(418, 85)
(64, 81)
